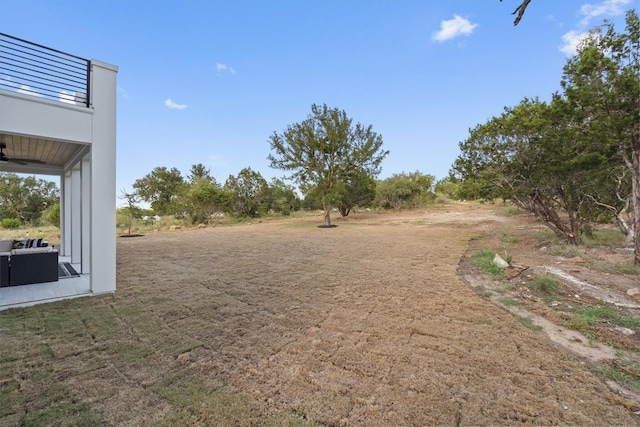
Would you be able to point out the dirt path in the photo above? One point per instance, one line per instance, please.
(365, 324)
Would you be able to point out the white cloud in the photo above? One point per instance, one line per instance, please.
(172, 105)
(458, 26)
(123, 92)
(570, 41)
(224, 68)
(606, 8)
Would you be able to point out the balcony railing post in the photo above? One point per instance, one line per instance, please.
(88, 85)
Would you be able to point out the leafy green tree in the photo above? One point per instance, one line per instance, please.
(448, 186)
(602, 87)
(282, 197)
(407, 190)
(357, 189)
(531, 155)
(206, 200)
(312, 199)
(26, 198)
(199, 172)
(162, 189)
(324, 150)
(53, 214)
(249, 193)
(132, 206)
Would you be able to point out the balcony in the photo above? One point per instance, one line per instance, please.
(58, 118)
(36, 70)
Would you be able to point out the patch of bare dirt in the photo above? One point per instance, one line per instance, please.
(583, 284)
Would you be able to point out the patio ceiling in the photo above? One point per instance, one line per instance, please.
(47, 155)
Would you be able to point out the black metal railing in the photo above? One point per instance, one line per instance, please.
(36, 70)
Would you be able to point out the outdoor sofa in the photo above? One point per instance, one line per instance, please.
(27, 261)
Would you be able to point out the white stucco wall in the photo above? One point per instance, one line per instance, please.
(42, 118)
(103, 178)
(88, 182)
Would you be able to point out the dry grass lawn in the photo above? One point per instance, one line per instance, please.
(285, 323)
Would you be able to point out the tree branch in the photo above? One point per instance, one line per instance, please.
(520, 11)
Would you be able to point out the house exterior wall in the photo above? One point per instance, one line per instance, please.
(42, 118)
(88, 182)
(103, 178)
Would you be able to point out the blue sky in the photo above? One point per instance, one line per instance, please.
(209, 81)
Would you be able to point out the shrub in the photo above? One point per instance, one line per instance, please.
(53, 215)
(545, 284)
(484, 260)
(10, 223)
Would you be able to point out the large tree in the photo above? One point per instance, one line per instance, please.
(283, 197)
(358, 189)
(249, 193)
(25, 198)
(199, 172)
(205, 200)
(162, 189)
(602, 87)
(407, 190)
(532, 155)
(324, 150)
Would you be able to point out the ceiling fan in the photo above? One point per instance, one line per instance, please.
(5, 158)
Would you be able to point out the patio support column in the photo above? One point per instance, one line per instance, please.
(65, 219)
(103, 178)
(76, 216)
(85, 172)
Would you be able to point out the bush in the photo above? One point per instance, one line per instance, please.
(484, 260)
(10, 223)
(53, 215)
(545, 284)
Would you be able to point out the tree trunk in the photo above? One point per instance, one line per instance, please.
(344, 211)
(635, 197)
(327, 216)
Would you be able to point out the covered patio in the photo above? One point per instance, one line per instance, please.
(58, 118)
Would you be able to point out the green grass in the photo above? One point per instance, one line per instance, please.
(551, 298)
(621, 268)
(545, 284)
(584, 317)
(528, 323)
(219, 407)
(622, 377)
(484, 261)
(604, 237)
(510, 302)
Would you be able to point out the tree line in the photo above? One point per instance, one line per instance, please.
(200, 198)
(573, 161)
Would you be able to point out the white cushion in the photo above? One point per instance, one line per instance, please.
(32, 250)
